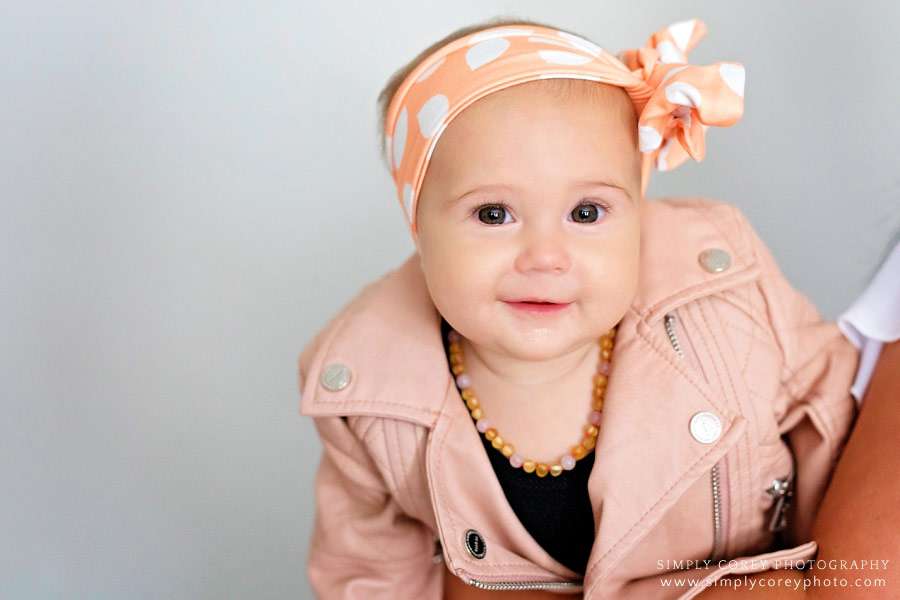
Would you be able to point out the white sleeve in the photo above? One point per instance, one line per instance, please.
(873, 319)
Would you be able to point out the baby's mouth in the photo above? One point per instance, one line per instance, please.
(531, 300)
(537, 306)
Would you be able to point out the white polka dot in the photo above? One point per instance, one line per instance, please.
(407, 201)
(432, 114)
(581, 43)
(682, 32)
(562, 57)
(430, 70)
(488, 35)
(672, 72)
(649, 138)
(679, 92)
(399, 138)
(668, 53)
(663, 154)
(486, 51)
(733, 76)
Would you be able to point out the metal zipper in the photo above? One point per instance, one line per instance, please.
(717, 548)
(522, 585)
(670, 329)
(715, 555)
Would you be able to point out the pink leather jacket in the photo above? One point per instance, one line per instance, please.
(405, 489)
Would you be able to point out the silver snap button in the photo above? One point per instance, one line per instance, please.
(715, 260)
(705, 427)
(475, 544)
(335, 377)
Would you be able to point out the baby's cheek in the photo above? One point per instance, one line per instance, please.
(616, 275)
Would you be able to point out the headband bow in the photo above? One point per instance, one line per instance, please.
(686, 99)
(673, 101)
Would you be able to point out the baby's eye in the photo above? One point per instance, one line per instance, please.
(492, 214)
(587, 213)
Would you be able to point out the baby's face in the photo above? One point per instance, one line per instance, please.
(529, 196)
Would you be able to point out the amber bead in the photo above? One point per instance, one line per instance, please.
(597, 404)
(606, 342)
(528, 465)
(589, 442)
(600, 380)
(458, 369)
(591, 430)
(542, 469)
(507, 449)
(456, 358)
(599, 392)
(490, 434)
(477, 413)
(606, 354)
(578, 452)
(472, 402)
(455, 348)
(497, 442)
(467, 393)
(556, 469)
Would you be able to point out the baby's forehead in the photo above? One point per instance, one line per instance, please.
(578, 98)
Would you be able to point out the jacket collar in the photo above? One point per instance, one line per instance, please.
(398, 368)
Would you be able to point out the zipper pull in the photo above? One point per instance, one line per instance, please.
(781, 489)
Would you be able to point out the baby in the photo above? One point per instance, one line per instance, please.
(567, 387)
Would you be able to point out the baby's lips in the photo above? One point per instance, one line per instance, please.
(537, 300)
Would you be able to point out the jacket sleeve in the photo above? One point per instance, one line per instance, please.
(814, 409)
(363, 545)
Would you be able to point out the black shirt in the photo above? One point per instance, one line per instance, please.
(556, 511)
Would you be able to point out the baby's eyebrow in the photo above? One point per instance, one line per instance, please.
(490, 187)
(578, 185)
(603, 183)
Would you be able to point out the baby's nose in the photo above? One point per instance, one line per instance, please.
(546, 252)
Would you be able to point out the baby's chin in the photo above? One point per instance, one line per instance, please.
(539, 334)
(537, 343)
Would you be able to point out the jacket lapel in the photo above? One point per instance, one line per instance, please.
(646, 455)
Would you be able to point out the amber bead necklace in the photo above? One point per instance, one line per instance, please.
(567, 461)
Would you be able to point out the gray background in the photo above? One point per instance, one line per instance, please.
(191, 189)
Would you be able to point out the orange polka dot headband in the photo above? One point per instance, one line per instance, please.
(673, 101)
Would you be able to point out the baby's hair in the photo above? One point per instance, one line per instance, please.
(564, 88)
